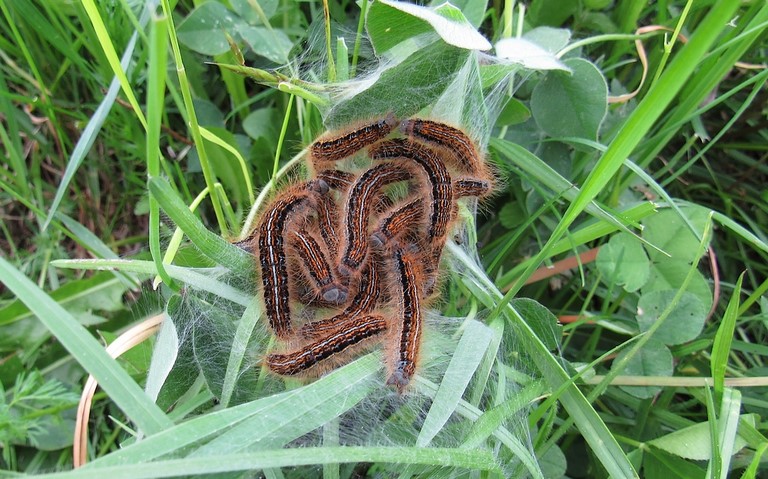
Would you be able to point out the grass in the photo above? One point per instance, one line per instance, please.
(120, 175)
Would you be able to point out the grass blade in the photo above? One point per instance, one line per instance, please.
(465, 361)
(209, 243)
(473, 460)
(592, 428)
(721, 348)
(297, 412)
(88, 352)
(204, 282)
(271, 413)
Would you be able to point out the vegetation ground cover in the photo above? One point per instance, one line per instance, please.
(603, 315)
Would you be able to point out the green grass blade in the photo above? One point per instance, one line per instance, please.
(90, 133)
(191, 116)
(210, 244)
(464, 362)
(493, 418)
(728, 425)
(109, 50)
(67, 296)
(86, 238)
(754, 466)
(582, 236)
(592, 428)
(300, 411)
(245, 327)
(468, 411)
(213, 138)
(745, 234)
(472, 460)
(539, 170)
(190, 276)
(278, 418)
(164, 355)
(711, 72)
(721, 348)
(178, 235)
(155, 105)
(120, 387)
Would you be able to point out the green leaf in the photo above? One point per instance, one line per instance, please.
(654, 359)
(513, 113)
(551, 12)
(182, 373)
(553, 463)
(512, 215)
(204, 29)
(290, 415)
(430, 70)
(727, 430)
(249, 13)
(271, 44)
(669, 232)
(528, 55)
(52, 433)
(694, 442)
(480, 460)
(244, 333)
(262, 123)
(494, 418)
(541, 321)
(566, 105)
(164, 356)
(751, 471)
(623, 260)
(670, 274)
(389, 23)
(550, 39)
(683, 324)
(659, 463)
(473, 10)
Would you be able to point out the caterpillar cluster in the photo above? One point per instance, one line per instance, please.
(347, 259)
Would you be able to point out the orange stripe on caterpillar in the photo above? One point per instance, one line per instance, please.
(317, 267)
(327, 222)
(348, 333)
(464, 187)
(397, 221)
(439, 185)
(447, 137)
(327, 212)
(404, 352)
(357, 212)
(364, 302)
(336, 146)
(271, 244)
(336, 179)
